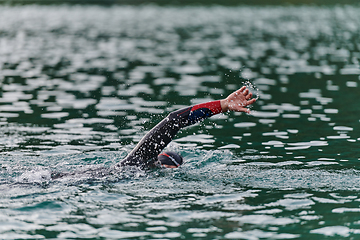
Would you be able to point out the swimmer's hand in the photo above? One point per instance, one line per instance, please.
(237, 101)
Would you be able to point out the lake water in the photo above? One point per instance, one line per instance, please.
(81, 85)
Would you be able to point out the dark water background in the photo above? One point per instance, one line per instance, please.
(81, 85)
(183, 2)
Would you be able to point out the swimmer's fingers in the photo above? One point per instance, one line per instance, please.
(246, 92)
(241, 89)
(247, 97)
(239, 94)
(251, 101)
(238, 100)
(241, 107)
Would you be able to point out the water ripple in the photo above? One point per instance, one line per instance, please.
(80, 85)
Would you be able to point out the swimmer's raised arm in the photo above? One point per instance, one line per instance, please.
(161, 135)
(237, 101)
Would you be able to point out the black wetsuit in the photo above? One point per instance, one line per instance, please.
(154, 141)
(162, 134)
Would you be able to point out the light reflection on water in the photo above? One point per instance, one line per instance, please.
(81, 85)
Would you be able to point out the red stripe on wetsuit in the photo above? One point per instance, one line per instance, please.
(214, 106)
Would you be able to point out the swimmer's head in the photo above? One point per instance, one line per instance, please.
(169, 159)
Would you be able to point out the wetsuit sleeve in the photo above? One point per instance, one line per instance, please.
(162, 134)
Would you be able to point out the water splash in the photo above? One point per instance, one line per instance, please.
(252, 88)
(37, 175)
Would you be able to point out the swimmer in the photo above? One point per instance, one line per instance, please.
(147, 152)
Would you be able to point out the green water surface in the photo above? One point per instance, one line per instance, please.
(80, 86)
